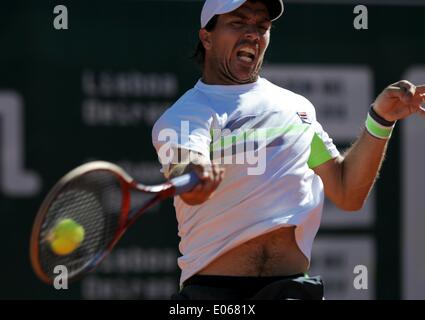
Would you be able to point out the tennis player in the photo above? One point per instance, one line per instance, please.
(248, 234)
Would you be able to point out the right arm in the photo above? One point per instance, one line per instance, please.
(182, 138)
(210, 174)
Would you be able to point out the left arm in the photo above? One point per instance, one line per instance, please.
(348, 179)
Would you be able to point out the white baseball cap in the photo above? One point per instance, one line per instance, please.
(213, 7)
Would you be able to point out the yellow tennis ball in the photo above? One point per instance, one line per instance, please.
(66, 236)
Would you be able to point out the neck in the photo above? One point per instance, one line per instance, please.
(213, 75)
(224, 81)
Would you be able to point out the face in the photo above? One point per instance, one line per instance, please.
(234, 49)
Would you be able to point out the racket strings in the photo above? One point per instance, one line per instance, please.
(93, 201)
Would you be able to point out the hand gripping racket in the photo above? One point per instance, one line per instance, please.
(97, 196)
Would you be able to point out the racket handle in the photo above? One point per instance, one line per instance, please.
(185, 182)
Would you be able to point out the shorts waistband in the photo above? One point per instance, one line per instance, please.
(236, 281)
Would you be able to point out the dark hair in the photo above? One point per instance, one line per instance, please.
(199, 54)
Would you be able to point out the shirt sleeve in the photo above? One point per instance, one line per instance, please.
(183, 126)
(322, 147)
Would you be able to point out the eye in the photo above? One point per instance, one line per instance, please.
(263, 28)
(236, 24)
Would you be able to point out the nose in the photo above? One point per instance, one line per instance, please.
(252, 33)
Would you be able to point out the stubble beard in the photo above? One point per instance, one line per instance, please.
(229, 77)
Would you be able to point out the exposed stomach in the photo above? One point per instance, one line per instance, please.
(272, 254)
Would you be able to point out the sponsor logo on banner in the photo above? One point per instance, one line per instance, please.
(341, 94)
(15, 180)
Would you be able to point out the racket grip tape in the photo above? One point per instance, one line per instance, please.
(185, 183)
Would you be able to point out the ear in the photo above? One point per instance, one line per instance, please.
(205, 38)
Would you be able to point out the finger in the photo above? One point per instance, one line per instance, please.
(419, 95)
(215, 170)
(216, 180)
(399, 93)
(203, 172)
(422, 107)
(413, 108)
(417, 102)
(218, 176)
(406, 90)
(418, 99)
(222, 173)
(407, 86)
(196, 190)
(201, 190)
(396, 84)
(209, 187)
(420, 89)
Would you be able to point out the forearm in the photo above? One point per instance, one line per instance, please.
(348, 180)
(359, 169)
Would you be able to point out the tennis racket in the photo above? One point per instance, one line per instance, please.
(98, 197)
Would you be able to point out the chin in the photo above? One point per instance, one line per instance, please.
(250, 78)
(245, 77)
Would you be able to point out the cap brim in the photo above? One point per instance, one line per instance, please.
(275, 9)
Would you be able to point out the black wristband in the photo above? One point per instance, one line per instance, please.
(379, 119)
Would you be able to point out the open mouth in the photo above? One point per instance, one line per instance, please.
(246, 54)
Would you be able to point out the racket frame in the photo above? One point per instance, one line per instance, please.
(162, 191)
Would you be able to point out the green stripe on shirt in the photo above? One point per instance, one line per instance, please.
(319, 153)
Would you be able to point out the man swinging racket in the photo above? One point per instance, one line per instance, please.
(248, 234)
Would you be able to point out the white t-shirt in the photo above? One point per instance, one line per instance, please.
(267, 139)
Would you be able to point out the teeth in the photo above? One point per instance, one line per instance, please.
(245, 58)
(248, 50)
(246, 54)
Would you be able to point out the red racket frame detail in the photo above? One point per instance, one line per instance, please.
(162, 191)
